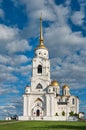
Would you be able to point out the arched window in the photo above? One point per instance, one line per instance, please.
(73, 101)
(39, 68)
(39, 86)
(64, 92)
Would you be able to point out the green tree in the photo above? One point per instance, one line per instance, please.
(63, 113)
(77, 115)
(71, 113)
(56, 114)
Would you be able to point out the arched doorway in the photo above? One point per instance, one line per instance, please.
(38, 112)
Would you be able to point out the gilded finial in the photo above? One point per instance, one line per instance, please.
(41, 44)
(41, 33)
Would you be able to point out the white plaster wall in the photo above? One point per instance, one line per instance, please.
(25, 105)
(48, 105)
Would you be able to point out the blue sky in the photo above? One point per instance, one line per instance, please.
(64, 30)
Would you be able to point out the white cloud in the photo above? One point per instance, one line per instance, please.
(11, 41)
(24, 70)
(68, 2)
(7, 88)
(62, 14)
(1, 1)
(62, 42)
(1, 13)
(8, 33)
(18, 46)
(19, 59)
(82, 3)
(59, 37)
(70, 70)
(78, 17)
(7, 77)
(14, 106)
(4, 59)
(14, 59)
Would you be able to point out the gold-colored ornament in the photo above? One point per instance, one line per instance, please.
(54, 83)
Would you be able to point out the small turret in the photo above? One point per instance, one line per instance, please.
(27, 89)
(54, 87)
(65, 90)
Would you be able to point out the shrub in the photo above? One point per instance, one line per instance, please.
(63, 113)
(71, 113)
(56, 114)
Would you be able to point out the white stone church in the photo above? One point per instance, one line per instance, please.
(42, 100)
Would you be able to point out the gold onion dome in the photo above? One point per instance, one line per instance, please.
(54, 83)
(41, 45)
(65, 86)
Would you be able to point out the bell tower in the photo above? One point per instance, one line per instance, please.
(40, 65)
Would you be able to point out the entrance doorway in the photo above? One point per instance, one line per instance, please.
(38, 112)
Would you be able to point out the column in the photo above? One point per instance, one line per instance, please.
(28, 106)
(52, 106)
(47, 105)
(24, 105)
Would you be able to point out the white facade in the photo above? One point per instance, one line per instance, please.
(42, 100)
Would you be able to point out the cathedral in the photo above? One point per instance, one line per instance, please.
(44, 99)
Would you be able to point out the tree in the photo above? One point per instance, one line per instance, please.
(63, 113)
(14, 117)
(77, 115)
(71, 113)
(56, 114)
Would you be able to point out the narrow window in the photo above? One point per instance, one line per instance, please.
(39, 86)
(49, 90)
(73, 101)
(39, 69)
(65, 92)
(66, 100)
(53, 89)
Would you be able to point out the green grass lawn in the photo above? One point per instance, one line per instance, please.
(44, 125)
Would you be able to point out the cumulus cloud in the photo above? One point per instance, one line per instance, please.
(4, 89)
(18, 46)
(78, 17)
(5, 75)
(11, 41)
(1, 1)
(59, 37)
(8, 33)
(66, 48)
(70, 70)
(1, 13)
(14, 60)
(14, 107)
(24, 70)
(11, 63)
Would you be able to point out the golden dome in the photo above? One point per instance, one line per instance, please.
(65, 86)
(41, 47)
(54, 83)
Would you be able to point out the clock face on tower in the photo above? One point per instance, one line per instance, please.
(42, 53)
